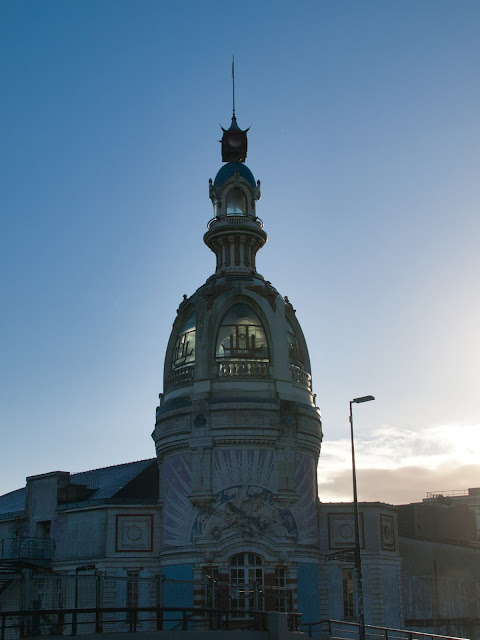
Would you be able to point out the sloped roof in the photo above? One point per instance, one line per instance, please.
(106, 481)
(12, 502)
(109, 480)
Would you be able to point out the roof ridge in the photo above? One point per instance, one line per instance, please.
(121, 464)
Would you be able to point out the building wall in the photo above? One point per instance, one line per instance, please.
(440, 585)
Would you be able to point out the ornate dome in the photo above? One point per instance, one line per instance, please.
(228, 170)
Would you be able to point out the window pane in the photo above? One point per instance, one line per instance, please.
(184, 350)
(294, 351)
(241, 335)
(236, 203)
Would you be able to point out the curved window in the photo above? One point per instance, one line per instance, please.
(184, 350)
(236, 203)
(241, 335)
(295, 353)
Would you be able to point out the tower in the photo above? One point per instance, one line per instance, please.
(237, 431)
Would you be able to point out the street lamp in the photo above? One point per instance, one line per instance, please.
(358, 560)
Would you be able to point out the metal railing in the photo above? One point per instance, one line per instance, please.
(180, 376)
(235, 220)
(23, 548)
(344, 630)
(28, 623)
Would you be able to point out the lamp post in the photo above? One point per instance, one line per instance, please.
(358, 559)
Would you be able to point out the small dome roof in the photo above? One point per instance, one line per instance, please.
(228, 170)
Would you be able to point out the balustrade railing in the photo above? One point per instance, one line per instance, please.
(180, 376)
(300, 376)
(251, 368)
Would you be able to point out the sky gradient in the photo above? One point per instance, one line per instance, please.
(365, 135)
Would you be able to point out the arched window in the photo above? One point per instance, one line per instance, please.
(246, 581)
(295, 353)
(184, 350)
(236, 203)
(242, 348)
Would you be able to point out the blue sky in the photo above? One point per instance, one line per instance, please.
(365, 135)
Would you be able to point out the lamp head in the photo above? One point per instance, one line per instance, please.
(363, 399)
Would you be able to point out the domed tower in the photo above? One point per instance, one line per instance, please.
(237, 431)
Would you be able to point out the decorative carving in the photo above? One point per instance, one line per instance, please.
(200, 420)
(134, 532)
(213, 292)
(341, 530)
(289, 304)
(268, 292)
(387, 530)
(249, 510)
(183, 303)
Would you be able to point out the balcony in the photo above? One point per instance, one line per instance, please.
(16, 552)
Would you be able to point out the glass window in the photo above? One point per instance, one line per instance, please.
(294, 351)
(184, 350)
(241, 336)
(246, 581)
(282, 593)
(348, 594)
(236, 203)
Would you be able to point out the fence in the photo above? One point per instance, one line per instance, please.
(50, 622)
(68, 604)
(343, 630)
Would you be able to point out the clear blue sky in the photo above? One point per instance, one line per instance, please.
(365, 135)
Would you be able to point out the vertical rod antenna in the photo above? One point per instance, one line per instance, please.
(233, 83)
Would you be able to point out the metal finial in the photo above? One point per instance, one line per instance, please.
(233, 84)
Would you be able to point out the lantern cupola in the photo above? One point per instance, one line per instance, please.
(235, 233)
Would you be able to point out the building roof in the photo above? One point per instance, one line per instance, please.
(12, 502)
(109, 480)
(106, 482)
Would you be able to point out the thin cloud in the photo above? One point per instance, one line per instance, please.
(398, 465)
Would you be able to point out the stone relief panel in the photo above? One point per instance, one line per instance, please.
(387, 531)
(237, 467)
(341, 531)
(178, 514)
(304, 510)
(248, 510)
(134, 532)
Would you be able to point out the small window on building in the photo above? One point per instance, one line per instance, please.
(348, 593)
(282, 600)
(132, 594)
(184, 350)
(295, 353)
(236, 203)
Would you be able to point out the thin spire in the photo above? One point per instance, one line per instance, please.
(233, 84)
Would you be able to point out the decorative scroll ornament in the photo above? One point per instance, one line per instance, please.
(213, 292)
(268, 292)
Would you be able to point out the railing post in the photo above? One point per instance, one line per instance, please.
(74, 623)
(2, 636)
(185, 621)
(159, 603)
